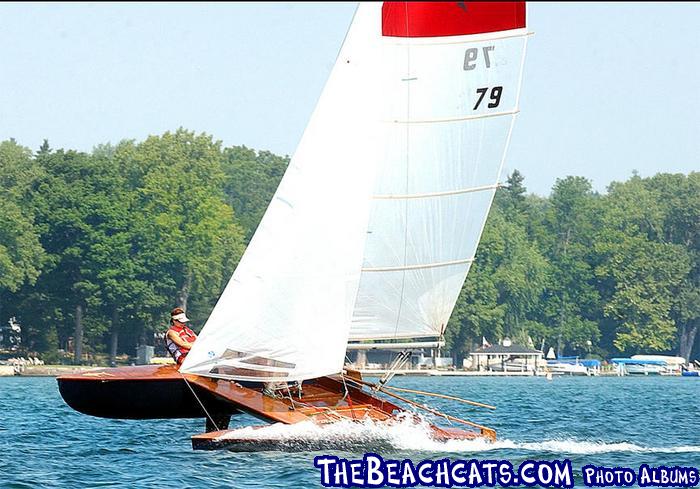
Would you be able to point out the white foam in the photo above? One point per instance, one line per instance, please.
(591, 447)
(402, 433)
(407, 434)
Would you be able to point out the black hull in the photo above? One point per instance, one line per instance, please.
(126, 396)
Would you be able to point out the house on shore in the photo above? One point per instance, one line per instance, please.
(507, 357)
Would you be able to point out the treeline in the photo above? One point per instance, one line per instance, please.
(585, 273)
(95, 248)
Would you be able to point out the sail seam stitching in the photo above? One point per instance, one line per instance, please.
(418, 267)
(467, 39)
(437, 194)
(381, 346)
(457, 119)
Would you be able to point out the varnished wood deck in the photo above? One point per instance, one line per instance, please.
(323, 401)
(153, 391)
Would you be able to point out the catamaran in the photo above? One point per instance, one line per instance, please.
(368, 238)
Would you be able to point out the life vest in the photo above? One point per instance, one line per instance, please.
(179, 352)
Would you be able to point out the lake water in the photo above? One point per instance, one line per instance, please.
(601, 421)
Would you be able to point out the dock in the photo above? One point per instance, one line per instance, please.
(444, 373)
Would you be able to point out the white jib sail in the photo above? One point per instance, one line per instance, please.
(449, 103)
(286, 312)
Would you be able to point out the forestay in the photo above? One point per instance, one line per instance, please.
(286, 312)
(449, 87)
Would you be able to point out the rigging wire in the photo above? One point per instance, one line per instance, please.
(425, 408)
(291, 399)
(200, 402)
(348, 397)
(442, 396)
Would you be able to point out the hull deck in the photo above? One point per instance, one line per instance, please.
(148, 392)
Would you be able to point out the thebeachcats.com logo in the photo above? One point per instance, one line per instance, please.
(374, 471)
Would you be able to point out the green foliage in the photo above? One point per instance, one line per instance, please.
(572, 299)
(186, 231)
(251, 180)
(129, 230)
(21, 254)
(583, 272)
(646, 274)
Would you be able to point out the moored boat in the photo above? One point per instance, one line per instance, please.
(672, 365)
(573, 366)
(632, 366)
(564, 368)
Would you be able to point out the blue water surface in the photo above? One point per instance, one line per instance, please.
(597, 420)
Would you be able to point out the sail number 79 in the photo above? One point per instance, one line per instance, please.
(494, 96)
(472, 54)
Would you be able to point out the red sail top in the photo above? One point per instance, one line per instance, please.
(435, 19)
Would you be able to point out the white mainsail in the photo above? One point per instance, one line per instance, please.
(373, 228)
(286, 312)
(449, 104)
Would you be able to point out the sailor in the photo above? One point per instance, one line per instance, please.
(179, 338)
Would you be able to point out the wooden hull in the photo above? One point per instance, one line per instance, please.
(240, 441)
(154, 392)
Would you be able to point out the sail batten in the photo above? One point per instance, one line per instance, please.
(418, 267)
(428, 195)
(457, 119)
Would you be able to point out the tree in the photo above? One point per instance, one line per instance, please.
(85, 210)
(521, 274)
(512, 198)
(477, 312)
(98, 246)
(21, 254)
(187, 231)
(502, 288)
(251, 180)
(572, 301)
(642, 273)
(679, 199)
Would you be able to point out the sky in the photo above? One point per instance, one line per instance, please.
(608, 88)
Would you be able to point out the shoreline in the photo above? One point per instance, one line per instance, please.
(473, 373)
(43, 370)
(57, 370)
